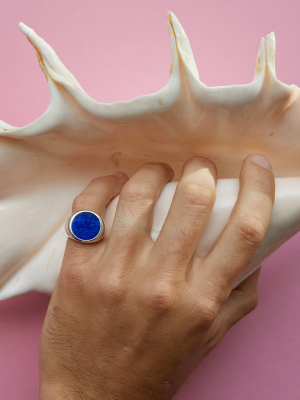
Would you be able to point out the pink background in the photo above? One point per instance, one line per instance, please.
(118, 50)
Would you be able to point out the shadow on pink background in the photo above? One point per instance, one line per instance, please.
(118, 50)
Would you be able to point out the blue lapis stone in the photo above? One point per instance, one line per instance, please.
(86, 226)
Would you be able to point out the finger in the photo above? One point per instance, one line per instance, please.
(134, 214)
(242, 300)
(95, 197)
(245, 230)
(99, 193)
(80, 263)
(188, 215)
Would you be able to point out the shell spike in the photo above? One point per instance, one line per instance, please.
(265, 60)
(260, 60)
(24, 28)
(48, 60)
(182, 44)
(270, 52)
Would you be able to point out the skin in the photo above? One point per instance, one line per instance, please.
(130, 318)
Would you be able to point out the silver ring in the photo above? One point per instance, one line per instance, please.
(85, 227)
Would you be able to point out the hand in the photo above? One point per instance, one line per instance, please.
(130, 318)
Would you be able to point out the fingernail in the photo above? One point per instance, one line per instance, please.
(260, 160)
(119, 174)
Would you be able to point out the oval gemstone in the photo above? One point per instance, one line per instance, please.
(86, 226)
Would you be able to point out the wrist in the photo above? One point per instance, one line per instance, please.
(78, 390)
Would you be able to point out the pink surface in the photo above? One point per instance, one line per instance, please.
(118, 50)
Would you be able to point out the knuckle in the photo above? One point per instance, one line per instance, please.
(206, 310)
(85, 199)
(161, 297)
(201, 161)
(137, 191)
(100, 180)
(155, 166)
(77, 274)
(78, 202)
(197, 197)
(250, 231)
(103, 183)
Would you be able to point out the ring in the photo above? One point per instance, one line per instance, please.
(85, 227)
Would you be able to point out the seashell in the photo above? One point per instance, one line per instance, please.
(46, 163)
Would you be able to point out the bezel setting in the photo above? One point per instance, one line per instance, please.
(72, 235)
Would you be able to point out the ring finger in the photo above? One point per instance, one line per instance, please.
(95, 197)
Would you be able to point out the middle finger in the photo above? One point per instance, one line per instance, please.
(133, 219)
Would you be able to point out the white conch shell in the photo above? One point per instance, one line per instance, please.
(46, 163)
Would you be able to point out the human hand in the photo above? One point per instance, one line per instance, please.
(130, 318)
